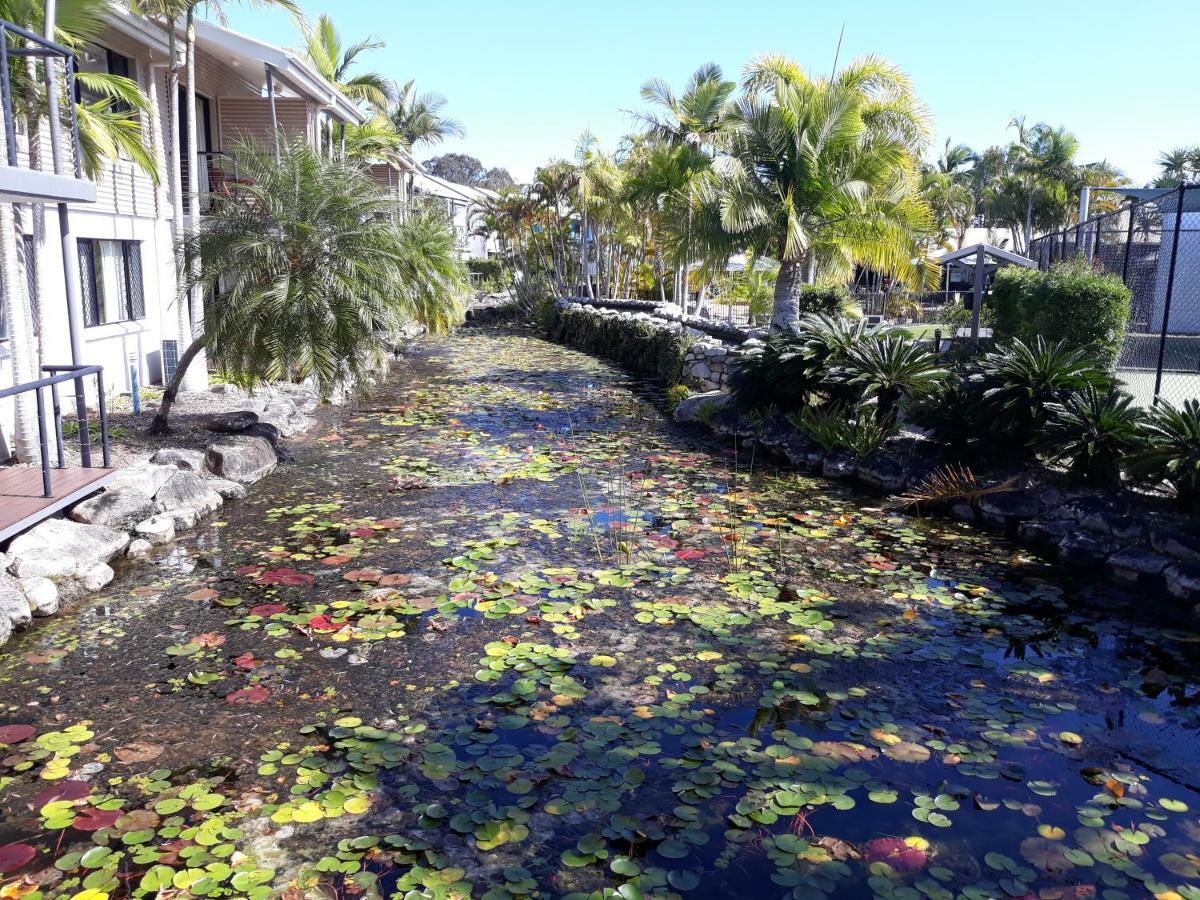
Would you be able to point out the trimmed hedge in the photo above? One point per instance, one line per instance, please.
(829, 298)
(1071, 302)
(633, 343)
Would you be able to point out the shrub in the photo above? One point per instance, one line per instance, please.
(676, 394)
(891, 368)
(1171, 451)
(488, 275)
(1093, 431)
(835, 430)
(1022, 381)
(1072, 302)
(825, 298)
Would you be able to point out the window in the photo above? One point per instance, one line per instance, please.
(110, 273)
(100, 60)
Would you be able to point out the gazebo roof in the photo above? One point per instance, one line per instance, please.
(1000, 255)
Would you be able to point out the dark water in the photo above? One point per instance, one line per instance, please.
(505, 631)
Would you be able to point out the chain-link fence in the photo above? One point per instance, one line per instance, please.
(1154, 246)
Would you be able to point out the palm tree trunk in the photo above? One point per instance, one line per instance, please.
(199, 379)
(159, 424)
(1028, 220)
(585, 268)
(785, 315)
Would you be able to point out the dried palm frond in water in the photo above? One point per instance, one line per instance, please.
(952, 483)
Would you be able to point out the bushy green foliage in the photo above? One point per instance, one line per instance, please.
(824, 298)
(676, 394)
(1171, 451)
(636, 344)
(890, 368)
(837, 430)
(1072, 302)
(1093, 431)
(490, 275)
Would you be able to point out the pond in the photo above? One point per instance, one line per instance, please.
(504, 630)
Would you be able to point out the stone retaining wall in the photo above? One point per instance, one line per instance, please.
(145, 505)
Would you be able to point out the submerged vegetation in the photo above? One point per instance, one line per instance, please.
(502, 632)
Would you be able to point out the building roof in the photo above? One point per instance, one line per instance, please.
(451, 190)
(996, 253)
(1191, 201)
(249, 57)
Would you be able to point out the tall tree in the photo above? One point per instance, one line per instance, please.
(333, 61)
(314, 272)
(1179, 165)
(419, 117)
(824, 174)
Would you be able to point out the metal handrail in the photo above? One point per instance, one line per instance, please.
(60, 375)
(42, 47)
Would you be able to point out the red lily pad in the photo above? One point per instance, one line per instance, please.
(286, 577)
(63, 790)
(254, 694)
(14, 856)
(247, 661)
(268, 609)
(689, 554)
(92, 819)
(14, 734)
(324, 623)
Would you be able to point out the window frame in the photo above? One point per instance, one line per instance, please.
(133, 304)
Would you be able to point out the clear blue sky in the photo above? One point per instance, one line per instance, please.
(526, 76)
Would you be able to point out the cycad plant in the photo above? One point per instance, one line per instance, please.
(1171, 450)
(891, 368)
(1025, 380)
(838, 430)
(1093, 431)
(309, 274)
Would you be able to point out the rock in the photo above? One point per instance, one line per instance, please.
(230, 422)
(187, 489)
(692, 408)
(1175, 542)
(282, 413)
(1080, 549)
(1183, 581)
(1045, 534)
(1008, 508)
(183, 518)
(188, 460)
(42, 594)
(59, 548)
(884, 471)
(229, 490)
(14, 607)
(145, 477)
(265, 430)
(156, 530)
(839, 465)
(1134, 566)
(244, 460)
(139, 548)
(964, 512)
(118, 507)
(1120, 526)
(95, 576)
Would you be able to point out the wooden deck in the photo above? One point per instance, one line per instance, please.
(22, 504)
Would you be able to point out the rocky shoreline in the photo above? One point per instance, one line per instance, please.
(147, 504)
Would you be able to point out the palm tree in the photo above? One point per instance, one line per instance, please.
(822, 174)
(955, 158)
(1180, 165)
(952, 204)
(419, 119)
(596, 179)
(309, 274)
(333, 62)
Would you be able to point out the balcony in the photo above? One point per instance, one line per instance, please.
(42, 163)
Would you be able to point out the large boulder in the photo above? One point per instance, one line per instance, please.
(145, 477)
(700, 406)
(157, 529)
(118, 507)
(180, 458)
(230, 422)
(241, 459)
(1008, 509)
(59, 548)
(284, 415)
(229, 490)
(187, 489)
(14, 607)
(42, 594)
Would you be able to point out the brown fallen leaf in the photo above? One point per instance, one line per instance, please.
(138, 752)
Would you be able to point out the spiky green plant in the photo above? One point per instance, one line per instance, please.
(1171, 451)
(309, 274)
(891, 368)
(836, 430)
(1024, 380)
(1092, 432)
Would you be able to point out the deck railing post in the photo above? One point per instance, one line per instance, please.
(58, 433)
(45, 451)
(85, 440)
(103, 418)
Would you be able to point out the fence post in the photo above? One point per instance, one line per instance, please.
(1162, 342)
(1128, 246)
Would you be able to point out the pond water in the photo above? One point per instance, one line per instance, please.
(503, 630)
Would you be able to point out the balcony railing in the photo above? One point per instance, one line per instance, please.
(43, 158)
